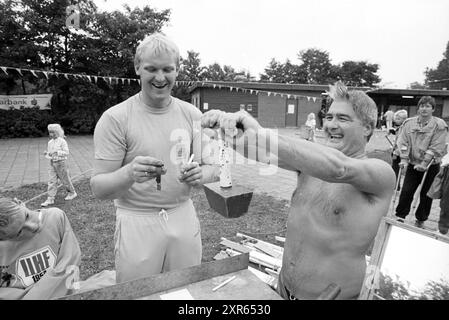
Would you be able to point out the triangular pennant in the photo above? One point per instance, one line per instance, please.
(4, 70)
(230, 88)
(34, 73)
(138, 81)
(314, 99)
(269, 93)
(88, 78)
(19, 71)
(288, 96)
(251, 91)
(129, 81)
(45, 74)
(66, 76)
(214, 85)
(95, 79)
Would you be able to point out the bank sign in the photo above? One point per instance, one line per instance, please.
(41, 101)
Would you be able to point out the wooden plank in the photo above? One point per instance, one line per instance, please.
(425, 232)
(165, 281)
(367, 291)
(280, 239)
(268, 250)
(234, 245)
(245, 286)
(272, 246)
(260, 259)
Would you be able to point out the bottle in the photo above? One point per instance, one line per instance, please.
(225, 165)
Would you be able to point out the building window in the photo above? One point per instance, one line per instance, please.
(242, 107)
(249, 107)
(205, 106)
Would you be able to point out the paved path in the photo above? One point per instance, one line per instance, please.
(22, 162)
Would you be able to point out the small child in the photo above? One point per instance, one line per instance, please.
(57, 152)
(311, 125)
(399, 118)
(39, 253)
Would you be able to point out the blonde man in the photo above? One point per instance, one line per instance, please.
(142, 147)
(340, 198)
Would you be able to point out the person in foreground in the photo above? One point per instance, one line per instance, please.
(340, 198)
(39, 253)
(148, 155)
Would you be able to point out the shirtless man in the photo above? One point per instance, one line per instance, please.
(340, 198)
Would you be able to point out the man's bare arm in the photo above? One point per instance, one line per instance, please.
(372, 176)
(368, 175)
(110, 180)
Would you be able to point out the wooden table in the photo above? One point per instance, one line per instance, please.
(198, 280)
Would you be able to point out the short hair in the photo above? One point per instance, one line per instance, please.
(8, 208)
(364, 107)
(56, 127)
(401, 113)
(157, 43)
(427, 99)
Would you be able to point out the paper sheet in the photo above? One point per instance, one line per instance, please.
(182, 294)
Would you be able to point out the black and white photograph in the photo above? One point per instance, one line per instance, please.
(224, 155)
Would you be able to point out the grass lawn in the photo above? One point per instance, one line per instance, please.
(93, 222)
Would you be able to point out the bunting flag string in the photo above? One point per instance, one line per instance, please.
(111, 80)
(250, 91)
(90, 78)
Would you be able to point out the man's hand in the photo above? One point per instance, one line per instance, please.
(142, 169)
(191, 174)
(211, 119)
(420, 168)
(229, 122)
(239, 120)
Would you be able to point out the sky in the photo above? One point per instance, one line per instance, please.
(403, 37)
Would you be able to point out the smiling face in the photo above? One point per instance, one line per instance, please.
(344, 131)
(22, 225)
(158, 74)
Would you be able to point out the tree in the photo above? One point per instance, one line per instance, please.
(214, 72)
(438, 78)
(190, 68)
(283, 73)
(274, 72)
(36, 37)
(358, 73)
(316, 67)
(417, 85)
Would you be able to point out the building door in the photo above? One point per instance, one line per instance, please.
(291, 115)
